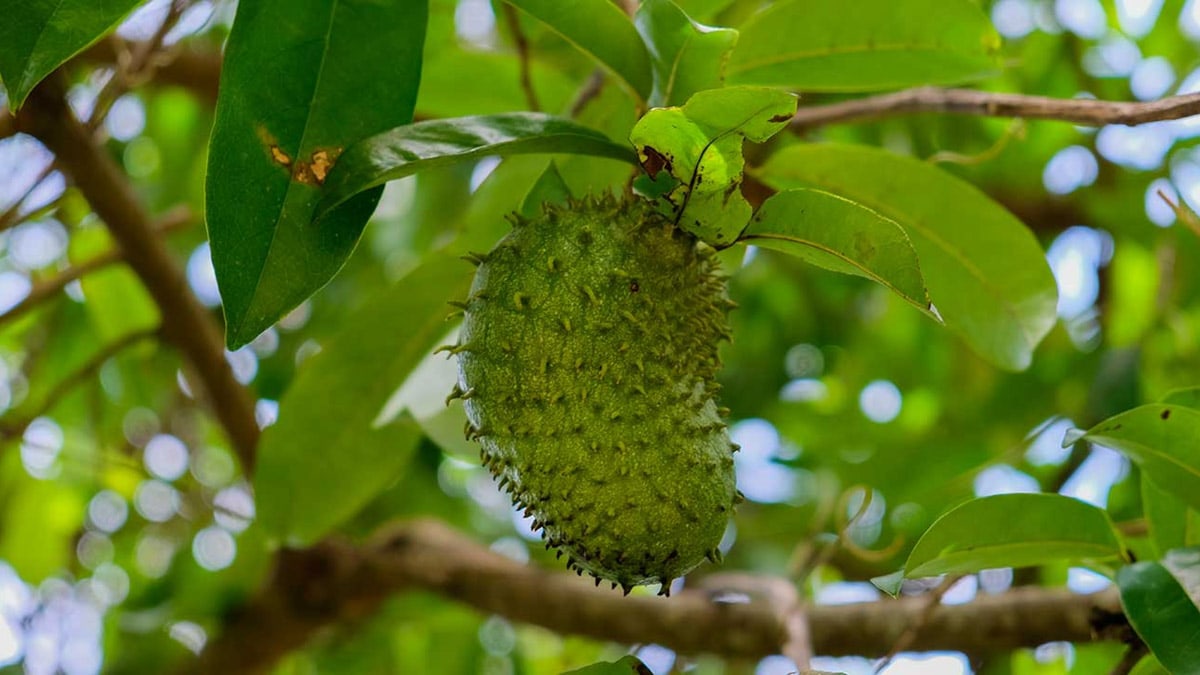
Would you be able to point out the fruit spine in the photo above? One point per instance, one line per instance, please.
(587, 364)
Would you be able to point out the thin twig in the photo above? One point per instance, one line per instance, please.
(1183, 212)
(591, 89)
(13, 428)
(12, 215)
(522, 45)
(811, 555)
(1016, 129)
(914, 628)
(1130, 659)
(45, 290)
(134, 65)
(1086, 112)
(1080, 451)
(196, 70)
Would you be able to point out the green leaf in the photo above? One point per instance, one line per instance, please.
(687, 56)
(837, 234)
(602, 31)
(302, 79)
(1002, 305)
(1172, 524)
(550, 188)
(1161, 601)
(1188, 396)
(699, 146)
(325, 459)
(865, 45)
(37, 36)
(405, 150)
(1164, 440)
(627, 665)
(1013, 530)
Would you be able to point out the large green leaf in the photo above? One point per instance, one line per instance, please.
(1002, 304)
(840, 235)
(1013, 530)
(865, 45)
(37, 36)
(687, 57)
(405, 150)
(601, 30)
(694, 155)
(1162, 601)
(325, 459)
(302, 80)
(1165, 442)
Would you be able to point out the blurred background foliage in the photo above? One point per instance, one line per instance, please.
(127, 531)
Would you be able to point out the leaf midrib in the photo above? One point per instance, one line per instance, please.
(21, 81)
(327, 40)
(877, 278)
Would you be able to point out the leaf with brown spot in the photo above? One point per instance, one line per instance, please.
(301, 80)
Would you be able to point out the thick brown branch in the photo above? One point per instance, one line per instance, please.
(989, 104)
(335, 582)
(186, 323)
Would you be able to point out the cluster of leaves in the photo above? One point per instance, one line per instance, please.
(315, 114)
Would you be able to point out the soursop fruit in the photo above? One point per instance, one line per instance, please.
(587, 364)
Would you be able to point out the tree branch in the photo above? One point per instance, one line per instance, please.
(142, 60)
(336, 582)
(990, 104)
(196, 70)
(12, 428)
(46, 289)
(186, 323)
(200, 71)
(522, 45)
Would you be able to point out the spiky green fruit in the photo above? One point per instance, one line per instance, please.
(587, 361)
